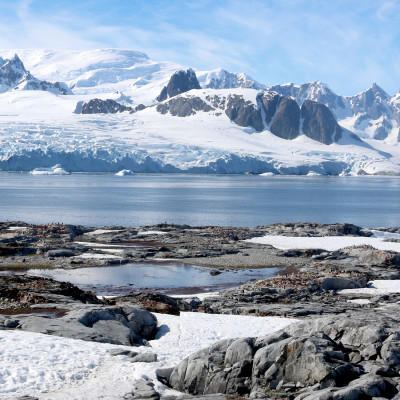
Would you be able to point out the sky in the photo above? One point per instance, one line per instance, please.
(347, 44)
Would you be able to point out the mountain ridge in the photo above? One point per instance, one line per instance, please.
(235, 130)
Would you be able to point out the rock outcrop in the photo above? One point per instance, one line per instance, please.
(183, 106)
(180, 82)
(243, 113)
(286, 121)
(98, 106)
(62, 309)
(357, 356)
(281, 115)
(319, 123)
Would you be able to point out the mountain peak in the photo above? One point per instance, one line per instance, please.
(180, 82)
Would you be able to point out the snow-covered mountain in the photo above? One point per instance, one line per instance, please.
(14, 76)
(369, 114)
(206, 121)
(222, 79)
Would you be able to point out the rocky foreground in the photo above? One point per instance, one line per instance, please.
(347, 346)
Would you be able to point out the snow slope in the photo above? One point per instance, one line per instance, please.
(58, 368)
(39, 129)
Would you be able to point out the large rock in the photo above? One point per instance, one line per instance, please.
(319, 123)
(117, 325)
(183, 106)
(270, 101)
(286, 121)
(180, 82)
(98, 106)
(243, 112)
(326, 358)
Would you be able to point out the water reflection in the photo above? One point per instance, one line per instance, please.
(167, 278)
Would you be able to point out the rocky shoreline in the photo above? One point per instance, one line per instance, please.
(346, 347)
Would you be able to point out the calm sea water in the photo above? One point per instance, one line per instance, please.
(238, 200)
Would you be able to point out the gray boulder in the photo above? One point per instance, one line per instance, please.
(118, 325)
(339, 283)
(325, 358)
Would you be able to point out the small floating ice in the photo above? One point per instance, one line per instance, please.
(125, 172)
(313, 173)
(267, 174)
(54, 170)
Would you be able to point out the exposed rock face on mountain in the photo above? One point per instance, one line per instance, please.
(376, 112)
(357, 356)
(222, 79)
(270, 101)
(319, 123)
(372, 102)
(98, 106)
(14, 76)
(373, 109)
(184, 106)
(281, 115)
(243, 113)
(316, 91)
(180, 82)
(286, 122)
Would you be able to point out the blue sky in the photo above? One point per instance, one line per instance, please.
(348, 44)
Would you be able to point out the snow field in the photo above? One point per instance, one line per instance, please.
(59, 368)
(330, 243)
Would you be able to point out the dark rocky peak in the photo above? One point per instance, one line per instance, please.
(373, 102)
(319, 123)
(286, 121)
(98, 106)
(243, 112)
(180, 82)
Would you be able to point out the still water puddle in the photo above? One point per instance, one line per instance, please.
(169, 278)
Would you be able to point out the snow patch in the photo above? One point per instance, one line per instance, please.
(330, 243)
(58, 368)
